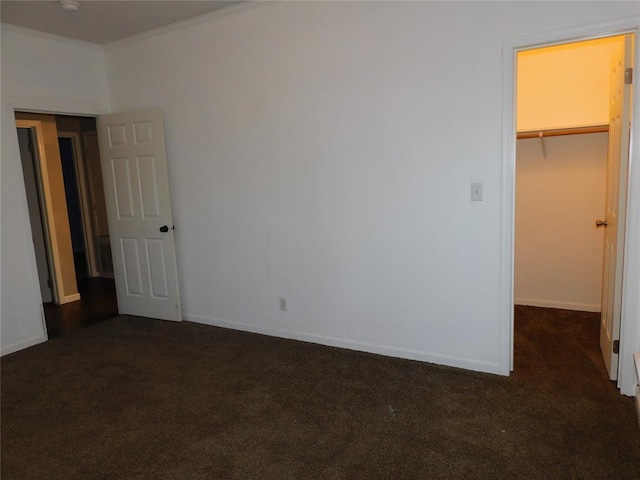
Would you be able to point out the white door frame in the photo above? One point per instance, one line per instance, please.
(83, 193)
(42, 178)
(630, 321)
(42, 218)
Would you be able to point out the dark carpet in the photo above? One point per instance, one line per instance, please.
(137, 398)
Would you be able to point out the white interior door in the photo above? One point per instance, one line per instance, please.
(617, 167)
(136, 187)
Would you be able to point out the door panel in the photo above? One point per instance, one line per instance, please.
(617, 167)
(121, 172)
(136, 184)
(148, 187)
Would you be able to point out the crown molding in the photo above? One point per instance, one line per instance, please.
(50, 36)
(222, 12)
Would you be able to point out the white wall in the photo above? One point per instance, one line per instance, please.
(43, 73)
(20, 316)
(558, 257)
(323, 152)
(51, 74)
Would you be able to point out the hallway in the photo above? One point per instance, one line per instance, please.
(98, 303)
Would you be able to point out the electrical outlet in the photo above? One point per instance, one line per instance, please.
(283, 304)
(477, 193)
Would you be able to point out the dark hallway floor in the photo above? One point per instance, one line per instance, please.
(98, 303)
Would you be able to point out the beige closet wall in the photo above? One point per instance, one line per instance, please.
(558, 250)
(58, 220)
(565, 85)
(558, 259)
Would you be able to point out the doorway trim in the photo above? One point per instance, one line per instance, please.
(85, 204)
(52, 231)
(42, 179)
(630, 321)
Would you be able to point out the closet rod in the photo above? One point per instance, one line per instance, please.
(563, 131)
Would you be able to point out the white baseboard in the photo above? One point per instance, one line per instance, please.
(581, 307)
(14, 347)
(636, 361)
(74, 297)
(439, 359)
(43, 319)
(638, 403)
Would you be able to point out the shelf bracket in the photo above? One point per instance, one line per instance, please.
(542, 144)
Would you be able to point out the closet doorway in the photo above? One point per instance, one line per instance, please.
(562, 179)
(63, 181)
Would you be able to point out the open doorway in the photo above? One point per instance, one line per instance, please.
(63, 180)
(565, 186)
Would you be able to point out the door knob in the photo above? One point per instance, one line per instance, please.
(164, 229)
(601, 223)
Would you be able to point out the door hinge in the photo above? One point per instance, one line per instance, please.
(49, 284)
(628, 76)
(30, 147)
(616, 346)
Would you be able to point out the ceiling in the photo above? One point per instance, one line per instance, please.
(103, 21)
